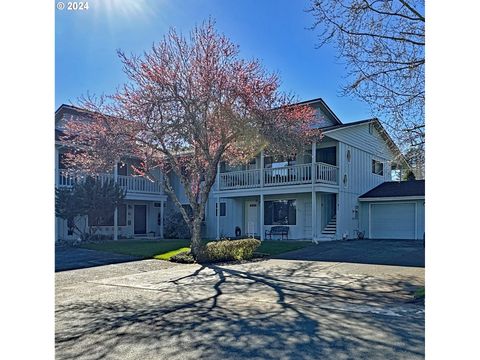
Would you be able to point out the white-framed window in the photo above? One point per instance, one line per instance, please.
(107, 218)
(223, 209)
(377, 167)
(280, 212)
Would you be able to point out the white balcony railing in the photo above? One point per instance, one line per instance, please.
(326, 173)
(287, 175)
(240, 179)
(132, 184)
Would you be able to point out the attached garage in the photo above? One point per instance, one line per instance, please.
(394, 210)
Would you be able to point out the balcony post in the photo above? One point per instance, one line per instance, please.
(217, 213)
(162, 204)
(314, 194)
(314, 162)
(57, 175)
(218, 176)
(262, 166)
(115, 213)
(262, 220)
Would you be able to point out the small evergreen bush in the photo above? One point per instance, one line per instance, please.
(183, 258)
(228, 250)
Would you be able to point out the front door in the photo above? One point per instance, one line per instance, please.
(140, 219)
(252, 218)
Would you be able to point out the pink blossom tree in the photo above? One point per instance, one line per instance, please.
(190, 103)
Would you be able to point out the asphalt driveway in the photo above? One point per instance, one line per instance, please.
(271, 309)
(69, 258)
(380, 252)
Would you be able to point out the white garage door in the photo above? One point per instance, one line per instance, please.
(393, 221)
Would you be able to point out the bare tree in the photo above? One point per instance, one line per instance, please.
(382, 44)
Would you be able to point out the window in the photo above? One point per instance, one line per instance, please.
(107, 219)
(377, 167)
(327, 155)
(280, 212)
(122, 169)
(223, 209)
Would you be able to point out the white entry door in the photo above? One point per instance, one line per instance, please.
(251, 217)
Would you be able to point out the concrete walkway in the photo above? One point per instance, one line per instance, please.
(272, 309)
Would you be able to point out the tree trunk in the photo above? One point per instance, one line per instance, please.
(196, 246)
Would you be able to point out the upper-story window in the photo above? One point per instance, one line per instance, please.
(327, 155)
(377, 167)
(122, 169)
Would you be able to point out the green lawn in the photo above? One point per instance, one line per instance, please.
(419, 293)
(168, 255)
(144, 248)
(164, 249)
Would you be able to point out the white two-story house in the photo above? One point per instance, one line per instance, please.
(315, 194)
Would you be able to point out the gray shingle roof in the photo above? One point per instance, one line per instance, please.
(397, 189)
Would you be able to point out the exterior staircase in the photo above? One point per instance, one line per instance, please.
(328, 233)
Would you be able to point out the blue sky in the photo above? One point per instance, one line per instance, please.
(273, 31)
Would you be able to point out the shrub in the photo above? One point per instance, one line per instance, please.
(184, 257)
(227, 250)
(176, 227)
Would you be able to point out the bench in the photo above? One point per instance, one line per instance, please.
(277, 230)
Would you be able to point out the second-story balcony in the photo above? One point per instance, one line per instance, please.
(132, 184)
(280, 176)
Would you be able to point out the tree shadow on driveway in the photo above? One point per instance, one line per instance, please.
(379, 252)
(237, 312)
(72, 258)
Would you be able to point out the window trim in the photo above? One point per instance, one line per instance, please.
(225, 207)
(113, 223)
(273, 212)
(374, 162)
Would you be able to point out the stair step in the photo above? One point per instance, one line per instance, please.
(330, 230)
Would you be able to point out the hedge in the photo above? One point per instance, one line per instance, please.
(227, 250)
